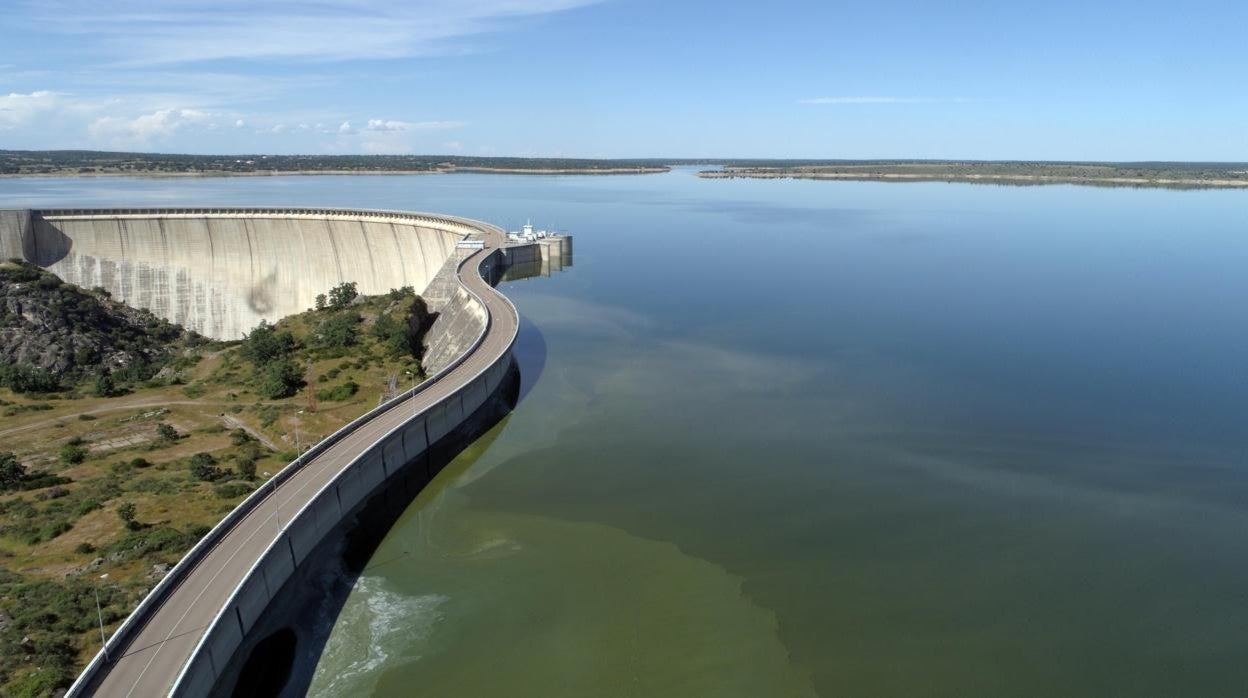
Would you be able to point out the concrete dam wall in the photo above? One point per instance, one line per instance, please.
(220, 272)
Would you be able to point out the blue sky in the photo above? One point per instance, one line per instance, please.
(631, 78)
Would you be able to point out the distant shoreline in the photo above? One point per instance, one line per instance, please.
(366, 173)
(967, 175)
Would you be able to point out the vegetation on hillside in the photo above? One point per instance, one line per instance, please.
(1175, 175)
(73, 162)
(108, 475)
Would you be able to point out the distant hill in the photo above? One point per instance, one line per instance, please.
(92, 162)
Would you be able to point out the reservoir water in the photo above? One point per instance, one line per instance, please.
(791, 438)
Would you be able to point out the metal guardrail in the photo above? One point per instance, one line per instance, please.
(160, 593)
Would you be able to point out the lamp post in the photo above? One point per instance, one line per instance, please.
(298, 446)
(99, 612)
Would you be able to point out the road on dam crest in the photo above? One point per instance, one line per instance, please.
(152, 660)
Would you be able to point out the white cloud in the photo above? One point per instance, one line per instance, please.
(158, 32)
(345, 127)
(142, 130)
(383, 125)
(865, 100)
(453, 146)
(20, 109)
(239, 123)
(882, 100)
(380, 125)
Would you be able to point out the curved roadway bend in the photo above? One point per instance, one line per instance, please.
(150, 664)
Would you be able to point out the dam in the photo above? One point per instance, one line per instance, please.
(221, 271)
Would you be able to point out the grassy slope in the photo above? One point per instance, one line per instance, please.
(56, 541)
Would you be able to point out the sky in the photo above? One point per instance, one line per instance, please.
(1058, 80)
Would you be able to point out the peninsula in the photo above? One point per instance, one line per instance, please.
(1170, 175)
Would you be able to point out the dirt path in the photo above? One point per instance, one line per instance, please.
(235, 423)
(110, 408)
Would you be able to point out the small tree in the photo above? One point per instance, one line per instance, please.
(105, 387)
(166, 433)
(204, 467)
(341, 295)
(126, 511)
(73, 453)
(338, 331)
(247, 468)
(321, 301)
(280, 379)
(265, 344)
(12, 472)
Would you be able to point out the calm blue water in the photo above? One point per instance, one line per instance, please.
(796, 438)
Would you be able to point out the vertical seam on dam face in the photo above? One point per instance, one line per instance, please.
(368, 247)
(329, 232)
(398, 250)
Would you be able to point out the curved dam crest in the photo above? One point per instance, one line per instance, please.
(220, 273)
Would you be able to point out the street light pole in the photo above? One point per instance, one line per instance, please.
(298, 445)
(100, 614)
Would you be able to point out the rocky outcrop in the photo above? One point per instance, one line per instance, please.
(71, 333)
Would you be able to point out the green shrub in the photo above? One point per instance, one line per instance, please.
(12, 472)
(247, 468)
(166, 433)
(338, 331)
(53, 530)
(265, 344)
(157, 485)
(43, 681)
(73, 454)
(42, 480)
(280, 379)
(85, 506)
(126, 511)
(341, 295)
(24, 378)
(198, 531)
(84, 417)
(230, 490)
(105, 387)
(204, 467)
(338, 393)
